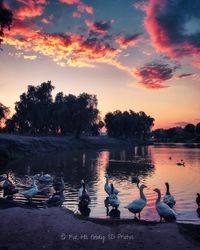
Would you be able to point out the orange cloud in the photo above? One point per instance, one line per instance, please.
(69, 1)
(128, 40)
(28, 12)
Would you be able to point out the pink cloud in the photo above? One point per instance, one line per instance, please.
(128, 40)
(166, 22)
(69, 1)
(99, 27)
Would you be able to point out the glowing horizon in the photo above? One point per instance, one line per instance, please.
(130, 62)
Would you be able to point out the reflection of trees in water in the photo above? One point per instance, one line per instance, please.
(132, 162)
(89, 165)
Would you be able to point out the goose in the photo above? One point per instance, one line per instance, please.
(113, 199)
(45, 177)
(163, 209)
(57, 199)
(58, 184)
(2, 178)
(107, 187)
(136, 180)
(81, 189)
(198, 199)
(168, 198)
(8, 188)
(198, 211)
(30, 193)
(136, 206)
(84, 198)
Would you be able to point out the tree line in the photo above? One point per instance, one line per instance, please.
(189, 133)
(38, 113)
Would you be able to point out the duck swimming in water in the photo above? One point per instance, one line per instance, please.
(168, 198)
(163, 209)
(137, 206)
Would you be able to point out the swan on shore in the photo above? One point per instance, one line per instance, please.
(30, 193)
(163, 209)
(137, 206)
(113, 198)
(168, 198)
(107, 187)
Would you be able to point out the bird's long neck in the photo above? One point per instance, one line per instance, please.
(83, 185)
(167, 189)
(159, 197)
(106, 180)
(33, 183)
(112, 189)
(142, 196)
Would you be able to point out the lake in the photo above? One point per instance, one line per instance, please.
(151, 164)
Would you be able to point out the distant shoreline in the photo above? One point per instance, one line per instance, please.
(18, 146)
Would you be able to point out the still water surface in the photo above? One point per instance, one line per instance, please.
(151, 164)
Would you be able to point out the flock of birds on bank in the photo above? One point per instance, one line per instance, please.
(164, 208)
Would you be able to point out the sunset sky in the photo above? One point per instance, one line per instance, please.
(139, 55)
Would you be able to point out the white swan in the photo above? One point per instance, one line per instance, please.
(163, 209)
(136, 206)
(30, 193)
(168, 198)
(107, 187)
(113, 199)
(45, 177)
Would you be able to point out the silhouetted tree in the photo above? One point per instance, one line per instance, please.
(4, 112)
(5, 19)
(197, 129)
(189, 131)
(128, 124)
(34, 109)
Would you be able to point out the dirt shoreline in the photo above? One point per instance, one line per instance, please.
(59, 228)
